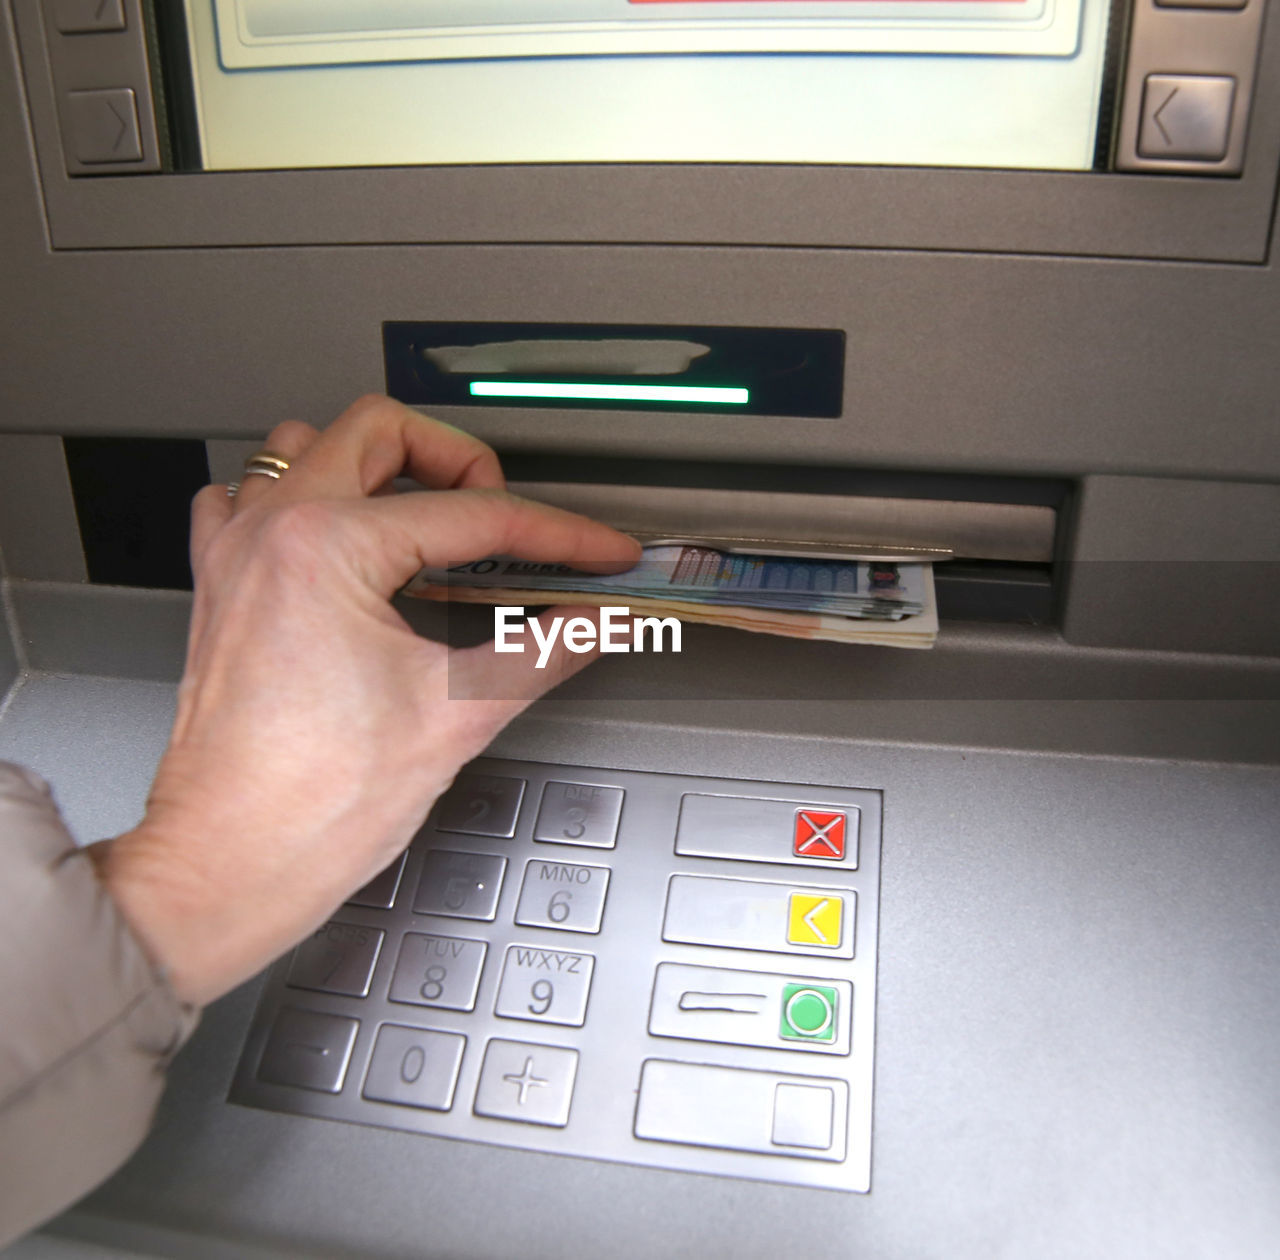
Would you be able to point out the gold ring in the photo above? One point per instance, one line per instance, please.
(266, 464)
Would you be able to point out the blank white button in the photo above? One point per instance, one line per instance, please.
(768, 1113)
(802, 1116)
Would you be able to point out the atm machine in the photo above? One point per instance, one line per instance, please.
(996, 277)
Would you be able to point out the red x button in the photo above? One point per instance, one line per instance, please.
(819, 835)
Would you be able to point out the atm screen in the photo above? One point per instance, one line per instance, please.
(334, 83)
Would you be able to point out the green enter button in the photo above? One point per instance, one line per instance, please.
(808, 1013)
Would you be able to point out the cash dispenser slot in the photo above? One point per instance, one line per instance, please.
(821, 526)
(993, 561)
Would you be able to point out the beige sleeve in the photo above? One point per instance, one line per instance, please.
(87, 1023)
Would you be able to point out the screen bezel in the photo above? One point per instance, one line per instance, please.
(1089, 214)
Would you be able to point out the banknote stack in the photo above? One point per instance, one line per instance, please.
(846, 601)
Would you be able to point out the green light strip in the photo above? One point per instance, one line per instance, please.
(611, 393)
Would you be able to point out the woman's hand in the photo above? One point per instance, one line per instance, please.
(314, 729)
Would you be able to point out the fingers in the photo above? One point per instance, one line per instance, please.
(414, 531)
(210, 511)
(514, 680)
(212, 508)
(289, 440)
(377, 439)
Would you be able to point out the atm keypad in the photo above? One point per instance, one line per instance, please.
(699, 995)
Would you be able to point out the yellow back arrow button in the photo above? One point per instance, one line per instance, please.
(814, 919)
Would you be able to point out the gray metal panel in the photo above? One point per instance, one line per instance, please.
(114, 631)
(781, 205)
(993, 686)
(39, 533)
(1074, 977)
(1189, 566)
(96, 740)
(957, 362)
(1041, 366)
(996, 363)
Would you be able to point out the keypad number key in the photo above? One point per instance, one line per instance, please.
(549, 986)
(337, 958)
(414, 1067)
(562, 895)
(441, 971)
(481, 805)
(579, 813)
(460, 885)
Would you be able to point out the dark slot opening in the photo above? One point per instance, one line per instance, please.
(133, 502)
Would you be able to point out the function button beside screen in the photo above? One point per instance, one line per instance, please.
(735, 1109)
(480, 805)
(547, 985)
(308, 1049)
(441, 971)
(529, 1083)
(102, 125)
(751, 914)
(380, 892)
(338, 958)
(1186, 116)
(414, 1067)
(81, 17)
(460, 885)
(562, 895)
(579, 813)
(750, 829)
(751, 1008)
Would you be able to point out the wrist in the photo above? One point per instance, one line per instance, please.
(164, 915)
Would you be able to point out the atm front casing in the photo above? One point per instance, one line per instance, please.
(1077, 1002)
